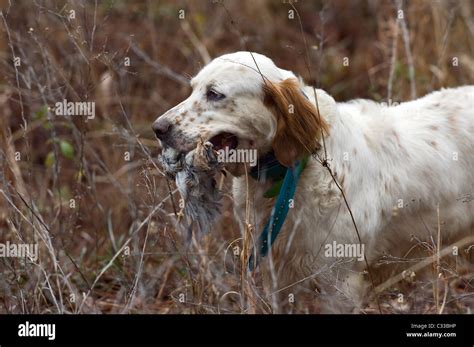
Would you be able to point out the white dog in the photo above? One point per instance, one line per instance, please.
(395, 164)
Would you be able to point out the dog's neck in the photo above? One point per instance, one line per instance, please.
(268, 168)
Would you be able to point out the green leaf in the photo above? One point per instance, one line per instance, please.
(66, 149)
(41, 113)
(274, 190)
(49, 161)
(64, 192)
(79, 175)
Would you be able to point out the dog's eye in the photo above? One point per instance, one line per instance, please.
(212, 95)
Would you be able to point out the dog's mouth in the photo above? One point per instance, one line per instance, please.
(172, 158)
(224, 141)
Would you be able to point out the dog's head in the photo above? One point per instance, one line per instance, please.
(244, 101)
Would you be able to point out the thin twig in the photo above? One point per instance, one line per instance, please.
(160, 69)
(406, 41)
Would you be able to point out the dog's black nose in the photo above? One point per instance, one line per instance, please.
(162, 128)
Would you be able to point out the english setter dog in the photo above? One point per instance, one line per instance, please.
(385, 169)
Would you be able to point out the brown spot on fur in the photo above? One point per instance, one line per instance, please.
(297, 131)
(434, 127)
(397, 138)
(433, 144)
(177, 120)
(341, 180)
(405, 151)
(426, 174)
(191, 119)
(369, 141)
(184, 113)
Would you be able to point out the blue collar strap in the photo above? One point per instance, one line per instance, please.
(286, 191)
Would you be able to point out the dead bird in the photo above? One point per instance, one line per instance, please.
(171, 161)
(195, 178)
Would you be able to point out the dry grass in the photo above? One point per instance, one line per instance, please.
(117, 250)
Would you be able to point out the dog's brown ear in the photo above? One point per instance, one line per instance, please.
(299, 126)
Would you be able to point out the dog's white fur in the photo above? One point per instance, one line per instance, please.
(395, 163)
